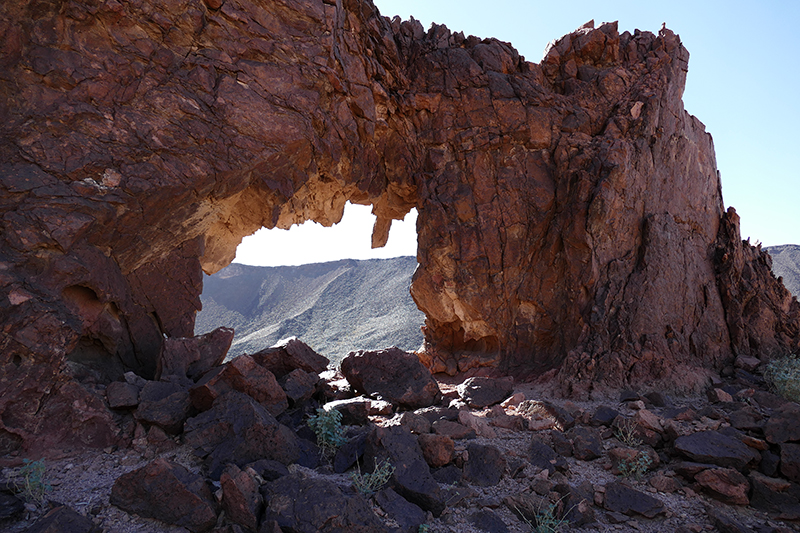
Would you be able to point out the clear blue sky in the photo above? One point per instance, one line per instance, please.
(743, 84)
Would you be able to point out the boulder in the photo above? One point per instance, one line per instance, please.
(122, 395)
(63, 519)
(291, 354)
(621, 498)
(544, 457)
(168, 492)
(485, 465)
(587, 444)
(245, 375)
(241, 499)
(604, 416)
(415, 423)
(438, 450)
(408, 516)
(194, 356)
(784, 424)
(355, 411)
(454, 430)
(790, 461)
(392, 374)
(166, 405)
(725, 484)
(239, 430)
(715, 448)
(348, 453)
(314, 505)
(480, 392)
(412, 477)
(487, 520)
(299, 385)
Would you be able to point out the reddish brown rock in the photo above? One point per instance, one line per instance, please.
(393, 375)
(242, 374)
(238, 430)
(168, 492)
(194, 356)
(438, 450)
(241, 500)
(291, 354)
(570, 213)
(725, 484)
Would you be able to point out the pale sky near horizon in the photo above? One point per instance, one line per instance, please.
(742, 84)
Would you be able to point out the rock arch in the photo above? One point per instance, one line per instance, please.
(570, 212)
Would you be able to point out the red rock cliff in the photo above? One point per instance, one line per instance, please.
(569, 212)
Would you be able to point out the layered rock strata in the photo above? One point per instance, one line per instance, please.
(568, 210)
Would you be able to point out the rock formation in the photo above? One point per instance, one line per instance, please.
(569, 211)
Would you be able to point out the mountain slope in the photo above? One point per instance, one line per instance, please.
(786, 264)
(335, 307)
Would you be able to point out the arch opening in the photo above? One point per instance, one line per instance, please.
(328, 286)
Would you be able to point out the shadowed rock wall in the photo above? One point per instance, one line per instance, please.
(568, 211)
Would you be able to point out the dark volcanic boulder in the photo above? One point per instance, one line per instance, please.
(291, 354)
(620, 498)
(241, 499)
(239, 430)
(63, 519)
(412, 477)
(392, 374)
(168, 492)
(193, 356)
(242, 374)
(485, 465)
(166, 405)
(305, 505)
(717, 449)
(482, 392)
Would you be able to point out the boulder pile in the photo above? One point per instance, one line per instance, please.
(412, 451)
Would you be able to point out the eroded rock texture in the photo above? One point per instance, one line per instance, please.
(568, 211)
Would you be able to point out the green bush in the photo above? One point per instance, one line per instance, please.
(636, 467)
(372, 482)
(32, 484)
(327, 424)
(546, 519)
(783, 376)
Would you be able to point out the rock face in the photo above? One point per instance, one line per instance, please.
(569, 212)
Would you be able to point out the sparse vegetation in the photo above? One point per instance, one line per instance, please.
(625, 431)
(32, 484)
(783, 376)
(368, 483)
(546, 519)
(327, 425)
(636, 467)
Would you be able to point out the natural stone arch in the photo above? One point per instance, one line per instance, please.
(562, 206)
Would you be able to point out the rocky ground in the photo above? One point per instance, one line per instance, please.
(483, 455)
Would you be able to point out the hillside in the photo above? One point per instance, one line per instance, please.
(786, 263)
(335, 307)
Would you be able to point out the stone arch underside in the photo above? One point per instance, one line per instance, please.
(570, 213)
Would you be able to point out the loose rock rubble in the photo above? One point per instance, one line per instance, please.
(480, 455)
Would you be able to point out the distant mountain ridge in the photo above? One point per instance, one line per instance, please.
(786, 264)
(335, 307)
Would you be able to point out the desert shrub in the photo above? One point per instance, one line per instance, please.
(546, 519)
(625, 431)
(783, 376)
(368, 483)
(31, 482)
(636, 467)
(327, 425)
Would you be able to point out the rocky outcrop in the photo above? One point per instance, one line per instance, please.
(568, 210)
